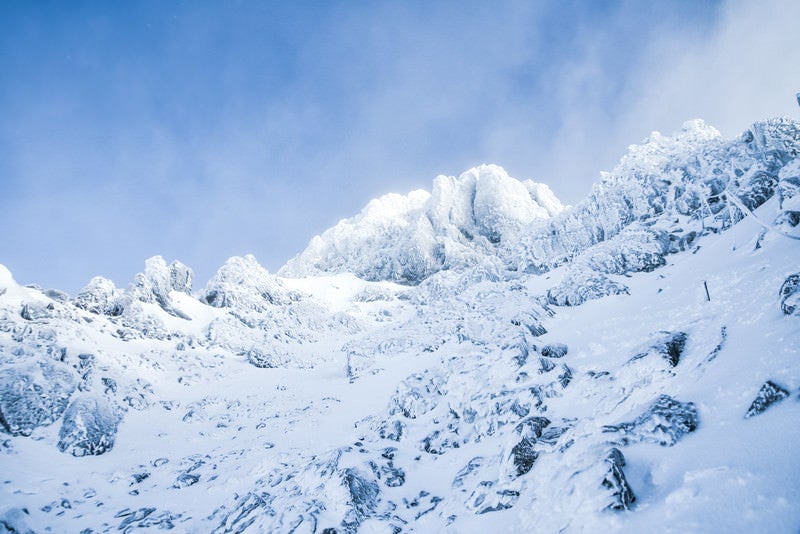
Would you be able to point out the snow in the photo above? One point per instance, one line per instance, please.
(344, 399)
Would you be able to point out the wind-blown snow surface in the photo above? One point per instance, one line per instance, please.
(559, 370)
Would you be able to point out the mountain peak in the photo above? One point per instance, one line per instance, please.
(405, 238)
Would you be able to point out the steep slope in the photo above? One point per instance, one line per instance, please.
(629, 363)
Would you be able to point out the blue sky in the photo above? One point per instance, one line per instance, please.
(201, 130)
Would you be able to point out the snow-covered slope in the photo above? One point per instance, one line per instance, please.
(630, 363)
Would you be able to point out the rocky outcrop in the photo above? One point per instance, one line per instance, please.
(89, 427)
(789, 295)
(620, 494)
(769, 394)
(33, 395)
(665, 422)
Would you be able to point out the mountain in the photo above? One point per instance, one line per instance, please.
(478, 357)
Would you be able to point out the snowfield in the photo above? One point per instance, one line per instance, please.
(477, 358)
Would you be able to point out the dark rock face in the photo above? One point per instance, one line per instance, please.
(417, 395)
(769, 394)
(89, 427)
(532, 427)
(790, 294)
(33, 395)
(524, 456)
(665, 422)
(622, 496)
(669, 345)
(363, 497)
(245, 512)
(393, 430)
(554, 350)
(98, 296)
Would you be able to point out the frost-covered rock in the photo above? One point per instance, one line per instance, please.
(790, 294)
(417, 395)
(153, 286)
(582, 284)
(769, 394)
(244, 285)
(364, 495)
(486, 214)
(89, 427)
(33, 395)
(668, 345)
(98, 296)
(408, 238)
(554, 350)
(665, 422)
(621, 495)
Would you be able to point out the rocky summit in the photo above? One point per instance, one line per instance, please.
(478, 357)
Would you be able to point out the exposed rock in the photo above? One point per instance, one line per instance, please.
(554, 350)
(244, 513)
(582, 284)
(790, 294)
(668, 345)
(89, 427)
(392, 429)
(524, 455)
(185, 480)
(417, 395)
(98, 296)
(33, 395)
(769, 394)
(363, 497)
(665, 422)
(622, 496)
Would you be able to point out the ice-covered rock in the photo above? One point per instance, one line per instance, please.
(789, 294)
(152, 286)
(665, 422)
(554, 350)
(582, 284)
(89, 426)
(33, 394)
(364, 494)
(408, 238)
(486, 214)
(668, 345)
(417, 395)
(244, 285)
(769, 394)
(98, 296)
(621, 495)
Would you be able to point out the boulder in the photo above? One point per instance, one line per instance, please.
(89, 427)
(621, 495)
(790, 294)
(554, 350)
(769, 394)
(33, 395)
(582, 284)
(665, 422)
